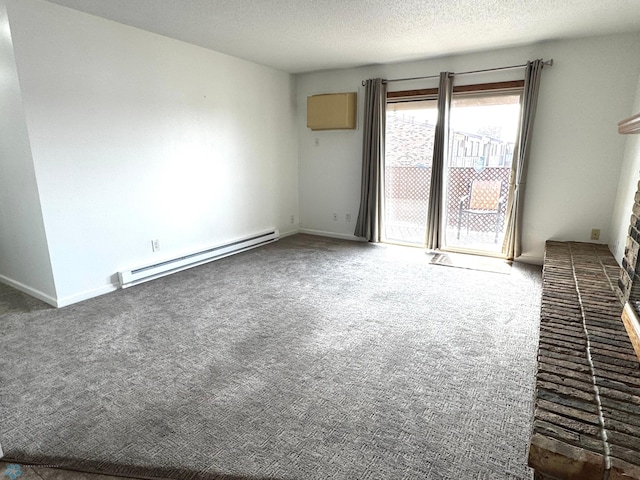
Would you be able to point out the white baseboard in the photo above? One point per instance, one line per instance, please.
(288, 232)
(29, 291)
(58, 302)
(322, 233)
(79, 297)
(530, 259)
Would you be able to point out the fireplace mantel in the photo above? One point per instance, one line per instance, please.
(630, 125)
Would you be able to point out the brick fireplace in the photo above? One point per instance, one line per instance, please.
(587, 413)
(628, 290)
(629, 281)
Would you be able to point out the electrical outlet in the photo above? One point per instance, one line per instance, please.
(347, 217)
(155, 245)
(292, 220)
(595, 234)
(335, 217)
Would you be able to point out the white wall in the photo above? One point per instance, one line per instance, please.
(137, 137)
(575, 156)
(115, 136)
(24, 259)
(629, 176)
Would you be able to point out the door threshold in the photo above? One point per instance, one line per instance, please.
(480, 253)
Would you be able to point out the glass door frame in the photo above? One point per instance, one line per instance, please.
(479, 93)
(497, 88)
(429, 95)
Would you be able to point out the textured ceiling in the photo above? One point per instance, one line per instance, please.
(305, 35)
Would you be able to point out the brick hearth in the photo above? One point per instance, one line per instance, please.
(587, 415)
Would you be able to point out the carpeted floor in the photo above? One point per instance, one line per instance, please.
(310, 358)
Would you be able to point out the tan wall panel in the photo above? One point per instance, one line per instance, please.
(331, 111)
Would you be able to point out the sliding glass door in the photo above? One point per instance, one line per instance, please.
(482, 133)
(407, 172)
(483, 129)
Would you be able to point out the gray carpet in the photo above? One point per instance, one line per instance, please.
(310, 358)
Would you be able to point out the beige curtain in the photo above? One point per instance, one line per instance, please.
(440, 150)
(518, 179)
(371, 196)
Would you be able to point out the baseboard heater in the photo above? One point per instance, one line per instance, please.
(150, 272)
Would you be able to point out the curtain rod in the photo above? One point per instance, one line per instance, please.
(512, 67)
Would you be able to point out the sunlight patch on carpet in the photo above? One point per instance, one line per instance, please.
(472, 262)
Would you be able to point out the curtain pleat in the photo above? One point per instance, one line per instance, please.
(512, 246)
(440, 147)
(371, 197)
